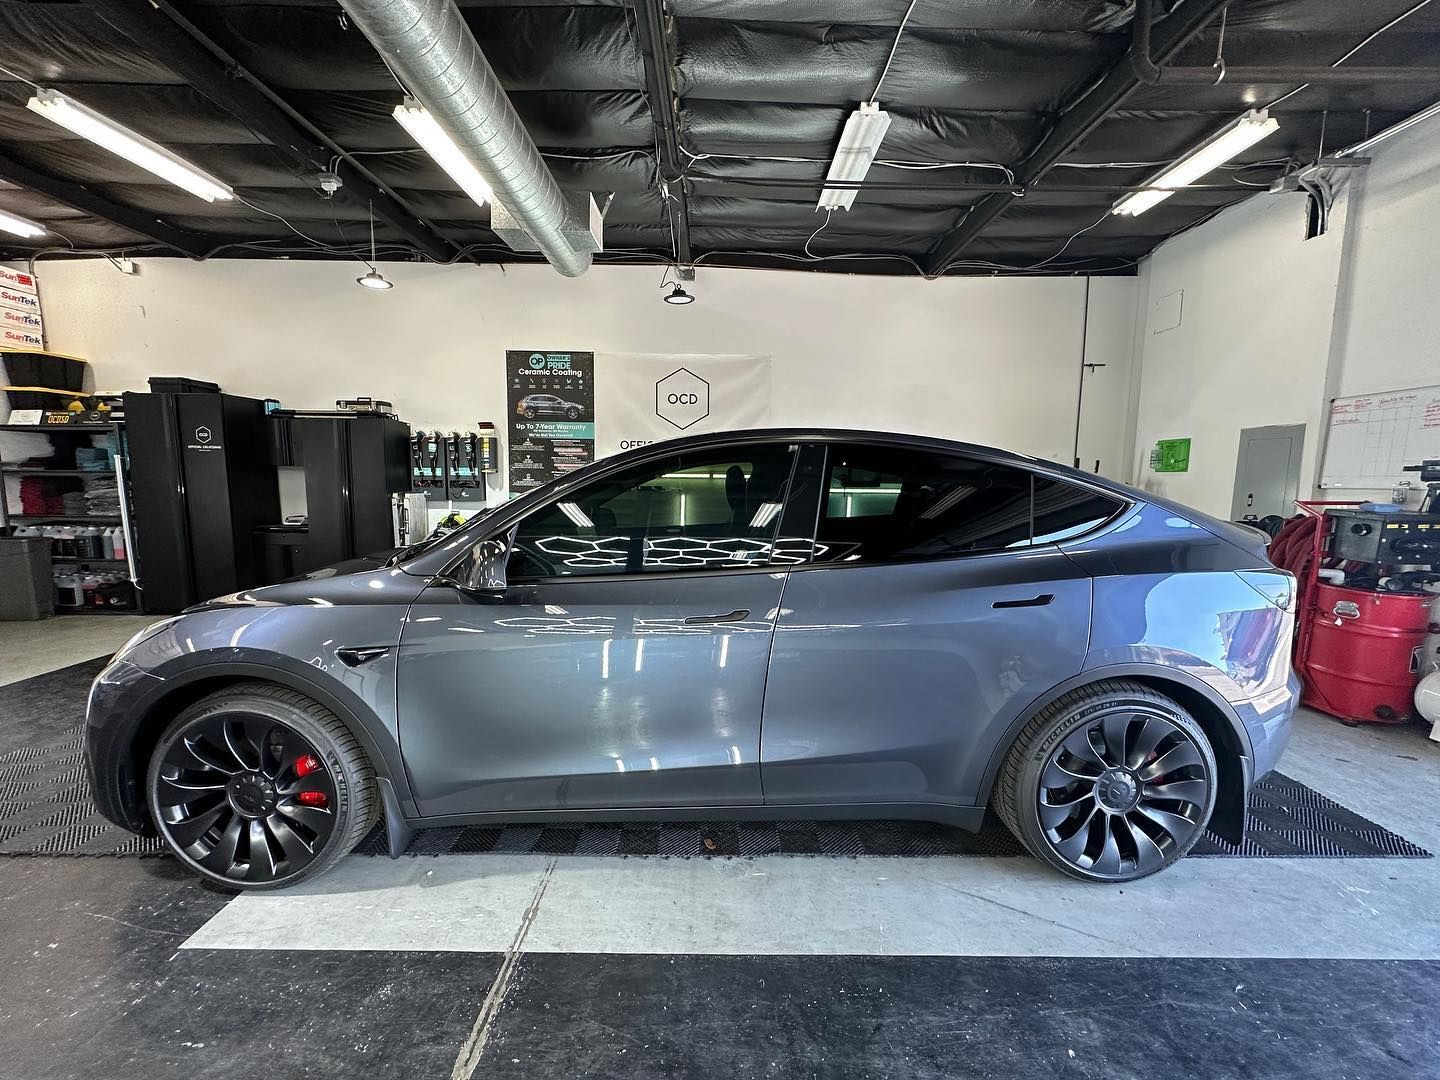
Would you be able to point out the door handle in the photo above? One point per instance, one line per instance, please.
(355, 655)
(738, 615)
(1034, 601)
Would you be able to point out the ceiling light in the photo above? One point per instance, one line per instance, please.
(20, 226)
(416, 119)
(1205, 158)
(678, 295)
(859, 143)
(132, 146)
(373, 279)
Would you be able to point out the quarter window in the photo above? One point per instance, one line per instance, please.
(895, 504)
(717, 509)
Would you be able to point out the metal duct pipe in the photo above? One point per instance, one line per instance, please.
(434, 54)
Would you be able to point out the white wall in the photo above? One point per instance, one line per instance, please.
(988, 360)
(1274, 325)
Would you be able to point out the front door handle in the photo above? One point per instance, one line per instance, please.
(738, 615)
(1034, 601)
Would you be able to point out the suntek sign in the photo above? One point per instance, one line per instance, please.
(17, 280)
(20, 339)
(26, 320)
(19, 301)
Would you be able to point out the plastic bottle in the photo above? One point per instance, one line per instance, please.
(119, 544)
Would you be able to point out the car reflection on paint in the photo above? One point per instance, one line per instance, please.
(768, 624)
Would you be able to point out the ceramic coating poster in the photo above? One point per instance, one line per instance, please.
(550, 401)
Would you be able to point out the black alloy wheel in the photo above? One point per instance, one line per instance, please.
(258, 789)
(1111, 786)
(572, 413)
(529, 413)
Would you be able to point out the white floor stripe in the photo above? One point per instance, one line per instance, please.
(1363, 909)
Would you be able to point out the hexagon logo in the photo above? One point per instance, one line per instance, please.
(682, 398)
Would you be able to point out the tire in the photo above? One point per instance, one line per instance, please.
(529, 414)
(572, 414)
(1065, 797)
(239, 761)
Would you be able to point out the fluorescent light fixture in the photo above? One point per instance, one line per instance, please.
(132, 146)
(20, 226)
(416, 119)
(859, 143)
(1205, 158)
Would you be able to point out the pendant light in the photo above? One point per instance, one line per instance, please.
(373, 279)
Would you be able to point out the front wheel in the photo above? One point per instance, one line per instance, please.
(572, 414)
(1110, 783)
(258, 787)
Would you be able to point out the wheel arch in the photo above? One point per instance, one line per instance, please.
(153, 715)
(1226, 732)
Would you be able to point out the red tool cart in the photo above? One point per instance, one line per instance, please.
(1359, 643)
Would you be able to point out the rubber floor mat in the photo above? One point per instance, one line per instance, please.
(45, 809)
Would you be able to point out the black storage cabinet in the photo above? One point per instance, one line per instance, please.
(353, 464)
(201, 483)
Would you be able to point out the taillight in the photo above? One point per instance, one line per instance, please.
(1277, 586)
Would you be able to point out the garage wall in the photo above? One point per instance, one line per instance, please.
(992, 361)
(1272, 326)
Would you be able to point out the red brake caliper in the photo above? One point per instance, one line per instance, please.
(303, 768)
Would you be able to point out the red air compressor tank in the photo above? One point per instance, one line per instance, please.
(1362, 663)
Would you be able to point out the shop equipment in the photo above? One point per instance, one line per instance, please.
(1360, 642)
(202, 482)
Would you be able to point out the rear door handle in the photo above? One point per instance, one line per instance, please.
(738, 615)
(1034, 601)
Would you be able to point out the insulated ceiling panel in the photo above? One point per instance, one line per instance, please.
(763, 88)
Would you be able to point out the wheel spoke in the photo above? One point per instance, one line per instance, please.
(1078, 744)
(1177, 826)
(192, 745)
(1108, 861)
(1073, 846)
(257, 734)
(1113, 728)
(222, 859)
(1147, 853)
(191, 828)
(1057, 775)
(1055, 814)
(312, 817)
(178, 791)
(233, 741)
(1177, 757)
(262, 859)
(1190, 791)
(296, 849)
(1150, 736)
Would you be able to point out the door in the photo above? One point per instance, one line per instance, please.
(624, 663)
(936, 612)
(1267, 472)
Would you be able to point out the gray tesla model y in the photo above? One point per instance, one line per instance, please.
(763, 624)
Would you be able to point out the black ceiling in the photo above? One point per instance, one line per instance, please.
(972, 81)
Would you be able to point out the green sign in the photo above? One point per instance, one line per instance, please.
(1171, 455)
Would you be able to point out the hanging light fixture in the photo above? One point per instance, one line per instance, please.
(373, 279)
(678, 295)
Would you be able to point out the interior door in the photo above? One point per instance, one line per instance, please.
(624, 663)
(1267, 472)
(937, 611)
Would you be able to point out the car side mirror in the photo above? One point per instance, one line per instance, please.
(483, 574)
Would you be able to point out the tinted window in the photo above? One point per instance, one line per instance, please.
(889, 504)
(1064, 510)
(709, 510)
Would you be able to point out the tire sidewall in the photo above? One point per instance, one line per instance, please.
(304, 726)
(1026, 796)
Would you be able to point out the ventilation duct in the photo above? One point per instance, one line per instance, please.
(432, 51)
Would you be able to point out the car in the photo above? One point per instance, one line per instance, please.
(534, 405)
(771, 624)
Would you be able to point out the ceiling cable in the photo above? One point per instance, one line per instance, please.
(875, 94)
(1366, 41)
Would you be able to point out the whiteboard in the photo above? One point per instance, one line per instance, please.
(1372, 437)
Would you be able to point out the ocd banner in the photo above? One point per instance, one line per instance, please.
(642, 398)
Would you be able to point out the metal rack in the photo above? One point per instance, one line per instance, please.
(116, 433)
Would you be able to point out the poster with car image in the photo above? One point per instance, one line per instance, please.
(550, 400)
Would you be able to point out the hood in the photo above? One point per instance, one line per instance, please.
(365, 581)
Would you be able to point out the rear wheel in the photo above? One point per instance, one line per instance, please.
(1112, 782)
(258, 787)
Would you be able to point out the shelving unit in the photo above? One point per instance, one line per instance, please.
(116, 445)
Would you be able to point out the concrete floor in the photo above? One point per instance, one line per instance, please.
(532, 966)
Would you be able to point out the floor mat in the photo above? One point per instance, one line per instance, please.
(45, 809)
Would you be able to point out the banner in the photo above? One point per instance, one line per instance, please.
(550, 402)
(642, 398)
